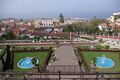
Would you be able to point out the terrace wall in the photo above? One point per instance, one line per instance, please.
(99, 50)
(82, 59)
(58, 76)
(32, 50)
(46, 61)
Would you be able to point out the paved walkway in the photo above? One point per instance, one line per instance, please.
(65, 59)
(113, 43)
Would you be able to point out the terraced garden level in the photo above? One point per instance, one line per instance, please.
(41, 56)
(115, 56)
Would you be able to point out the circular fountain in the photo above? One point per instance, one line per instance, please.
(26, 63)
(104, 62)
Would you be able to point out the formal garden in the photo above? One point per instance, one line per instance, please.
(114, 56)
(99, 60)
(40, 56)
(19, 58)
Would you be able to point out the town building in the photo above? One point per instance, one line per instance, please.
(114, 20)
(47, 22)
(102, 26)
(44, 22)
(114, 17)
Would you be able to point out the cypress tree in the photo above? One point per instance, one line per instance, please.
(61, 18)
(8, 58)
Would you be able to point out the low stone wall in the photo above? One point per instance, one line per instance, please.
(46, 60)
(99, 50)
(82, 59)
(32, 50)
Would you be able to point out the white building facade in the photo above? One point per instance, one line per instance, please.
(47, 22)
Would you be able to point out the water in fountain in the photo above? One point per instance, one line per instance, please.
(103, 59)
(28, 62)
(104, 62)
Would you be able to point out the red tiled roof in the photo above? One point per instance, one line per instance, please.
(15, 30)
(24, 26)
(26, 32)
(103, 24)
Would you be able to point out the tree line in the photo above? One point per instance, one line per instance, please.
(90, 27)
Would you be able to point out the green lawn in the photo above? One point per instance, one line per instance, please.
(88, 55)
(41, 56)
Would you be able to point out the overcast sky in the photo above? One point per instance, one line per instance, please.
(52, 8)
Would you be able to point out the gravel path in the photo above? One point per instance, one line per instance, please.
(65, 60)
(65, 56)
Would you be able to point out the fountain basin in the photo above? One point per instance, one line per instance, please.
(103, 62)
(26, 63)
